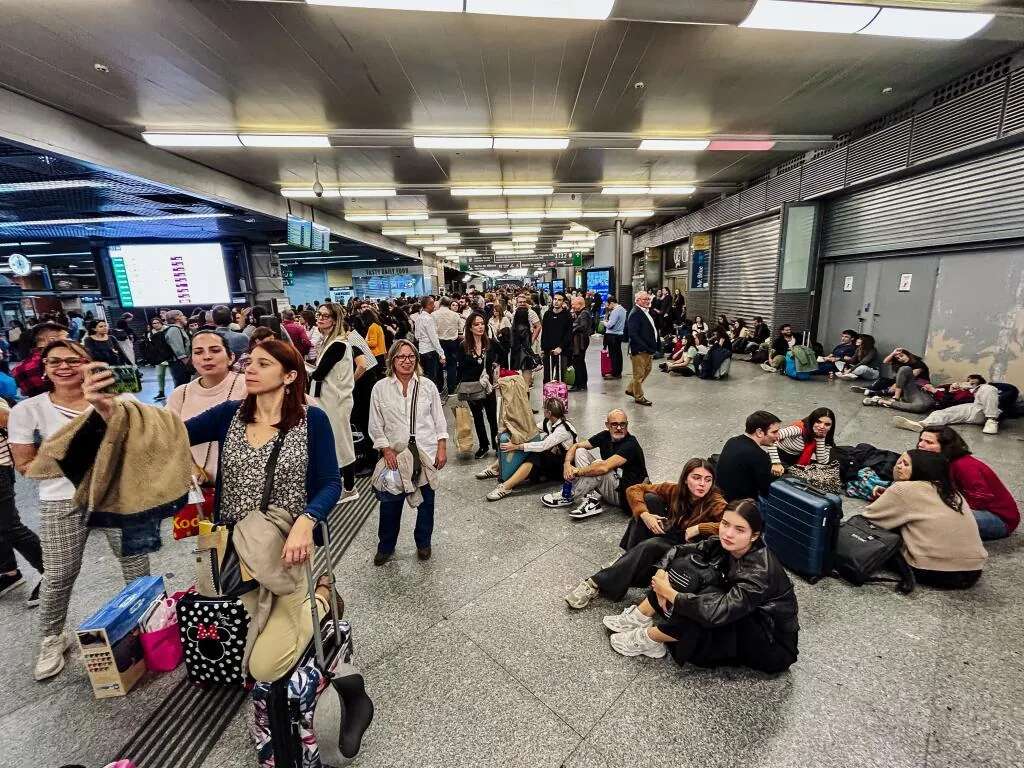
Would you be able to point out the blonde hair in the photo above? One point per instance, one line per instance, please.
(396, 347)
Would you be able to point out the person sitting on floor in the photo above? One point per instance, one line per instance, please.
(544, 458)
(897, 359)
(759, 334)
(995, 510)
(805, 441)
(726, 601)
(691, 353)
(739, 335)
(865, 363)
(907, 391)
(664, 515)
(781, 344)
(941, 543)
(981, 408)
(699, 326)
(744, 468)
(843, 353)
(718, 360)
(605, 475)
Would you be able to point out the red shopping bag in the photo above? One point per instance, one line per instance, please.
(186, 519)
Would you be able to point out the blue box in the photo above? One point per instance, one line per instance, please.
(119, 617)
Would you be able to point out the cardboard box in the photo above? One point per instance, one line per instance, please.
(109, 639)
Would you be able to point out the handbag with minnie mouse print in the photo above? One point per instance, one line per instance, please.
(213, 634)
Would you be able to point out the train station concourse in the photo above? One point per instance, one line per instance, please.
(526, 383)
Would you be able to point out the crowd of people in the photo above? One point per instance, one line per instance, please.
(305, 400)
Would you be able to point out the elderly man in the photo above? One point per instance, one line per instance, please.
(602, 476)
(643, 343)
(402, 400)
(582, 327)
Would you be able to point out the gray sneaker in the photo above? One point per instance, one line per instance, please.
(499, 493)
(631, 618)
(901, 422)
(581, 596)
(51, 656)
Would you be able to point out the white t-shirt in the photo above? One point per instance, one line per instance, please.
(39, 416)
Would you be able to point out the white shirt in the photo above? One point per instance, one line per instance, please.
(449, 324)
(426, 334)
(389, 415)
(558, 435)
(6, 460)
(39, 415)
(494, 325)
(650, 319)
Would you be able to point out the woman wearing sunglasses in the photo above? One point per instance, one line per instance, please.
(62, 529)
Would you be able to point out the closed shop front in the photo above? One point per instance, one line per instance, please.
(744, 270)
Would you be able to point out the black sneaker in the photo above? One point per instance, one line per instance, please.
(10, 581)
(33, 599)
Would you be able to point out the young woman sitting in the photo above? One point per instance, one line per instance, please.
(995, 510)
(866, 362)
(664, 515)
(695, 347)
(544, 458)
(699, 326)
(905, 392)
(746, 616)
(941, 543)
(718, 360)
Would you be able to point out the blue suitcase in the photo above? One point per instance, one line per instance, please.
(510, 461)
(801, 526)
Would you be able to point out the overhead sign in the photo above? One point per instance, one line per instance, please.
(321, 238)
(700, 256)
(19, 264)
(380, 272)
(300, 232)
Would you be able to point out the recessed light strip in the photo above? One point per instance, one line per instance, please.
(33, 186)
(109, 220)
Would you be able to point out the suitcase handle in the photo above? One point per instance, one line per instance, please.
(318, 641)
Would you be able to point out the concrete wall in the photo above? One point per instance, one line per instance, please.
(977, 320)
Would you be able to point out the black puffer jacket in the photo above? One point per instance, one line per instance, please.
(756, 582)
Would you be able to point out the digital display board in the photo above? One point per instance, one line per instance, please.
(169, 275)
(300, 232)
(599, 281)
(321, 238)
(558, 286)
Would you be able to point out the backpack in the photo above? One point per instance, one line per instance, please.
(1008, 395)
(159, 350)
(863, 549)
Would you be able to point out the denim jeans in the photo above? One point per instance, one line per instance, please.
(391, 506)
(864, 372)
(990, 526)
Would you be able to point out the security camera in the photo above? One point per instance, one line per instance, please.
(318, 189)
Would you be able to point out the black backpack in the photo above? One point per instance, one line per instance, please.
(863, 549)
(159, 351)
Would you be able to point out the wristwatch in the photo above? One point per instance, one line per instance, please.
(311, 517)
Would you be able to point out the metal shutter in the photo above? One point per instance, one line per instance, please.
(744, 270)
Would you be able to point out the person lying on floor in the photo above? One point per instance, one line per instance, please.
(664, 515)
(726, 601)
(544, 458)
(978, 403)
(906, 392)
(865, 362)
(941, 543)
(603, 476)
(995, 510)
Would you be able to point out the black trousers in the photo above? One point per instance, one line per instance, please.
(947, 579)
(431, 364)
(451, 351)
(554, 367)
(613, 343)
(14, 534)
(635, 568)
(744, 643)
(180, 372)
(489, 406)
(579, 364)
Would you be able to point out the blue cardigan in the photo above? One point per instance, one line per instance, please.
(323, 484)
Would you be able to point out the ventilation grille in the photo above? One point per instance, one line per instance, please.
(879, 153)
(991, 72)
(966, 120)
(753, 200)
(1013, 120)
(784, 188)
(824, 175)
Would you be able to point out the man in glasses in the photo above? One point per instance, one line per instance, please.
(643, 343)
(600, 470)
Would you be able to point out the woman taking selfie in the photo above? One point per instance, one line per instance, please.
(272, 416)
(62, 529)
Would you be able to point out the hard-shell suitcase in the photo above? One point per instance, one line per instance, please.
(606, 363)
(510, 461)
(556, 387)
(800, 527)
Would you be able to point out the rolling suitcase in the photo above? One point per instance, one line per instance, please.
(801, 526)
(606, 363)
(315, 716)
(556, 387)
(510, 461)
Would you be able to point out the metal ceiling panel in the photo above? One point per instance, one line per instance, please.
(1013, 115)
(886, 151)
(824, 174)
(784, 188)
(754, 200)
(959, 123)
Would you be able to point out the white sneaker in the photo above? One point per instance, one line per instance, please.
(903, 423)
(499, 493)
(874, 400)
(991, 427)
(484, 474)
(636, 642)
(555, 499)
(581, 596)
(588, 508)
(768, 367)
(349, 495)
(51, 656)
(631, 618)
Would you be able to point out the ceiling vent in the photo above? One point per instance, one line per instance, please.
(880, 153)
(959, 123)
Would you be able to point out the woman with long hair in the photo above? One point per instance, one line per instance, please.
(332, 383)
(62, 528)
(366, 375)
(374, 335)
(664, 515)
(521, 354)
(475, 362)
(498, 320)
(808, 440)
(866, 360)
(100, 346)
(941, 543)
(699, 326)
(272, 418)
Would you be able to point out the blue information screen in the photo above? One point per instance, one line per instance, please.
(557, 286)
(599, 281)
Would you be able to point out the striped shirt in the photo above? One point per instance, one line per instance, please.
(791, 441)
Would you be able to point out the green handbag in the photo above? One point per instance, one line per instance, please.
(569, 377)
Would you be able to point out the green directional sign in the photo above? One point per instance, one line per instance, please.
(577, 259)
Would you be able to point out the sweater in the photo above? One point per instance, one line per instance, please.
(706, 523)
(556, 330)
(983, 490)
(191, 399)
(935, 537)
(375, 338)
(744, 470)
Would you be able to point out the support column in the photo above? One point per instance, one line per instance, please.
(265, 271)
(623, 264)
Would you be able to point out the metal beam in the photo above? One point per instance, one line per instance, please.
(51, 130)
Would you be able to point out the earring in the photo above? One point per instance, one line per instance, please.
(287, 389)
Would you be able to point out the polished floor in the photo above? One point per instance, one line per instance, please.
(474, 659)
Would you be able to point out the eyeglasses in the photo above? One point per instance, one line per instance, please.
(617, 424)
(324, 315)
(405, 358)
(71, 362)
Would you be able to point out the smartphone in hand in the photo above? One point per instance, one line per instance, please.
(126, 379)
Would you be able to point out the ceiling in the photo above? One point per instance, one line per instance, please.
(372, 79)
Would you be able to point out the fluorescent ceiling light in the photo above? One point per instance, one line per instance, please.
(452, 142)
(191, 139)
(546, 9)
(24, 244)
(283, 140)
(564, 214)
(529, 143)
(525, 239)
(525, 214)
(495, 230)
(453, 6)
(31, 186)
(407, 217)
(639, 214)
(686, 190)
(367, 192)
(487, 215)
(307, 192)
(366, 217)
(403, 231)
(597, 215)
(809, 17)
(434, 248)
(673, 145)
(740, 145)
(512, 191)
(109, 220)
(927, 25)
(625, 190)
(444, 240)
(476, 191)
(525, 229)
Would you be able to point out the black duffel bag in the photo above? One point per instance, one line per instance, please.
(863, 549)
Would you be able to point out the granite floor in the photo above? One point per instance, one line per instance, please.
(474, 659)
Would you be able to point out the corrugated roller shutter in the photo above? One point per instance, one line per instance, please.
(1013, 118)
(744, 270)
(978, 201)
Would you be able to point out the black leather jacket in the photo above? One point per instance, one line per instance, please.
(756, 582)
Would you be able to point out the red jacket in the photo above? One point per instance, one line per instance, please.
(299, 337)
(982, 489)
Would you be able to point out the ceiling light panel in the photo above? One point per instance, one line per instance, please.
(476, 191)
(109, 220)
(530, 143)
(625, 190)
(740, 145)
(514, 191)
(407, 217)
(546, 9)
(308, 192)
(495, 230)
(525, 239)
(191, 139)
(451, 6)
(674, 145)
(809, 17)
(563, 214)
(453, 142)
(366, 217)
(598, 215)
(33, 186)
(926, 25)
(638, 213)
(487, 215)
(367, 192)
(284, 140)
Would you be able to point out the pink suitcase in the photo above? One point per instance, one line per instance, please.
(556, 388)
(606, 363)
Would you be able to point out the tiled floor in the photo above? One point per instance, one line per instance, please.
(474, 659)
